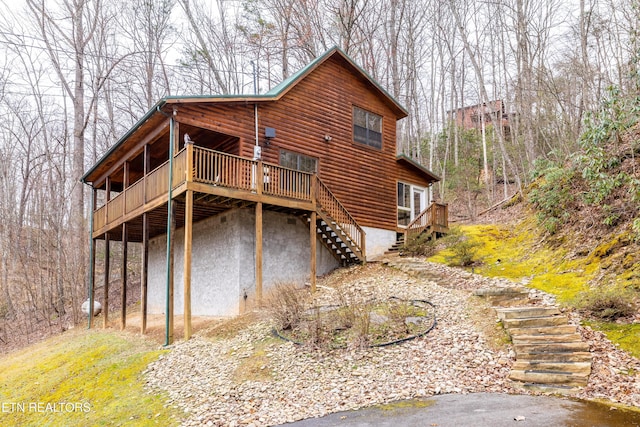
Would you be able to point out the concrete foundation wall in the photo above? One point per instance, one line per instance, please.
(223, 262)
(378, 241)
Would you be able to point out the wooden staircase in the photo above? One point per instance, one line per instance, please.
(550, 354)
(337, 229)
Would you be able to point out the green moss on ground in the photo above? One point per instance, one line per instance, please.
(626, 336)
(81, 378)
(516, 253)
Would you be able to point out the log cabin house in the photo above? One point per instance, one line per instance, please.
(232, 194)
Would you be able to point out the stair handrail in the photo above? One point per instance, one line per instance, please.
(327, 201)
(428, 218)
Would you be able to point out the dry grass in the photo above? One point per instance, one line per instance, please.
(99, 370)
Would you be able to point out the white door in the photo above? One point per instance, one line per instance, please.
(418, 202)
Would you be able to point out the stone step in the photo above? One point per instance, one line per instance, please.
(555, 389)
(576, 356)
(583, 368)
(539, 339)
(533, 322)
(501, 291)
(560, 347)
(526, 312)
(543, 377)
(542, 330)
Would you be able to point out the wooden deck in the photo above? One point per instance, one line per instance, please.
(213, 173)
(222, 181)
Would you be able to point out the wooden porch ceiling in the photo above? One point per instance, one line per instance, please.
(158, 153)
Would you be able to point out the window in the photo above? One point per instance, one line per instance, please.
(404, 203)
(300, 162)
(367, 128)
(289, 181)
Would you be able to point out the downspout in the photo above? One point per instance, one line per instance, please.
(255, 106)
(92, 266)
(255, 113)
(169, 216)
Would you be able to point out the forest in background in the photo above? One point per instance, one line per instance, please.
(75, 75)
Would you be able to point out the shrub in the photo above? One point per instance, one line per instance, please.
(419, 245)
(552, 195)
(464, 253)
(287, 304)
(607, 303)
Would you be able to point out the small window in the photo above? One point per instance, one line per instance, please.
(300, 162)
(367, 128)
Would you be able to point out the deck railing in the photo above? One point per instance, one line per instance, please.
(209, 167)
(283, 182)
(135, 196)
(157, 181)
(434, 216)
(330, 204)
(115, 207)
(226, 170)
(100, 218)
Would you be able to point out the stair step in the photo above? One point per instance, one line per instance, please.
(542, 330)
(575, 356)
(532, 322)
(543, 377)
(558, 347)
(543, 348)
(536, 339)
(560, 389)
(583, 368)
(505, 291)
(526, 312)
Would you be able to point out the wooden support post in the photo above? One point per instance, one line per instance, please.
(171, 205)
(259, 252)
(125, 241)
(107, 266)
(313, 237)
(188, 235)
(144, 274)
(92, 273)
(363, 247)
(123, 294)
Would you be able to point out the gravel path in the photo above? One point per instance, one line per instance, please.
(209, 378)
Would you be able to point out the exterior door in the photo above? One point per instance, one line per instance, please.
(419, 202)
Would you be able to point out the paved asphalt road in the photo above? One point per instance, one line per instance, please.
(479, 410)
